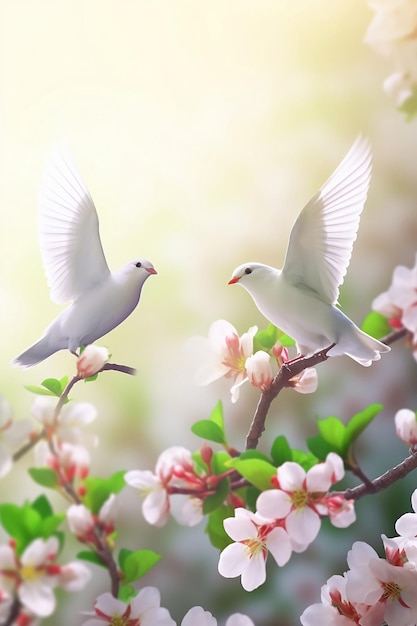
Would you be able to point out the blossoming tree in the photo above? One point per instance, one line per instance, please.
(259, 509)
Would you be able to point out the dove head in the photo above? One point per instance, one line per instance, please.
(137, 270)
(250, 273)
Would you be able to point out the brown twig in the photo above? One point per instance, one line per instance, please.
(125, 369)
(281, 380)
(385, 480)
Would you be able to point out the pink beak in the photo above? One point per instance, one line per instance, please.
(233, 280)
(151, 270)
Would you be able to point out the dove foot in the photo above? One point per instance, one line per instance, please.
(323, 353)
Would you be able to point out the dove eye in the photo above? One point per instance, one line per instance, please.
(248, 270)
(138, 264)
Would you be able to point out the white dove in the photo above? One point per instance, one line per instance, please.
(301, 298)
(76, 267)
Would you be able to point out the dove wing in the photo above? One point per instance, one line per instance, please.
(321, 240)
(70, 244)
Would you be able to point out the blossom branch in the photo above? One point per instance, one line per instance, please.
(385, 480)
(28, 446)
(125, 369)
(282, 379)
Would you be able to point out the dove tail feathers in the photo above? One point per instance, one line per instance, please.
(35, 354)
(363, 348)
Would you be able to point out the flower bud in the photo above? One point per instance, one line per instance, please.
(259, 370)
(91, 361)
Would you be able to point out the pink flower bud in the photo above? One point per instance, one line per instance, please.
(259, 370)
(406, 426)
(91, 361)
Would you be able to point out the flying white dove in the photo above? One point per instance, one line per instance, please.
(76, 267)
(301, 298)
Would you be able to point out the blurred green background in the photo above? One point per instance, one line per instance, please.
(201, 129)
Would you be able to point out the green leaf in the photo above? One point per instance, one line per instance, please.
(50, 387)
(333, 430)
(98, 490)
(126, 593)
(135, 564)
(42, 506)
(30, 521)
(51, 523)
(212, 502)
(217, 417)
(252, 454)
(123, 554)
(215, 530)
(257, 471)
(90, 379)
(22, 523)
(208, 430)
(360, 421)
(266, 339)
(53, 385)
(44, 476)
(250, 495)
(91, 557)
(286, 341)
(319, 447)
(376, 325)
(213, 428)
(305, 459)
(39, 390)
(281, 451)
(220, 462)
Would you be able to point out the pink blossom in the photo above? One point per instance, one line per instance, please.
(82, 522)
(335, 608)
(34, 574)
(374, 581)
(254, 537)
(155, 506)
(399, 302)
(301, 499)
(70, 422)
(68, 461)
(223, 354)
(174, 470)
(143, 610)
(341, 511)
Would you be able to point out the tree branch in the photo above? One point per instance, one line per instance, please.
(125, 369)
(385, 480)
(281, 380)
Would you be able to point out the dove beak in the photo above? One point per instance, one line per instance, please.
(151, 270)
(233, 280)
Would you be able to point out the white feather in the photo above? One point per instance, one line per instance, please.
(70, 244)
(321, 240)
